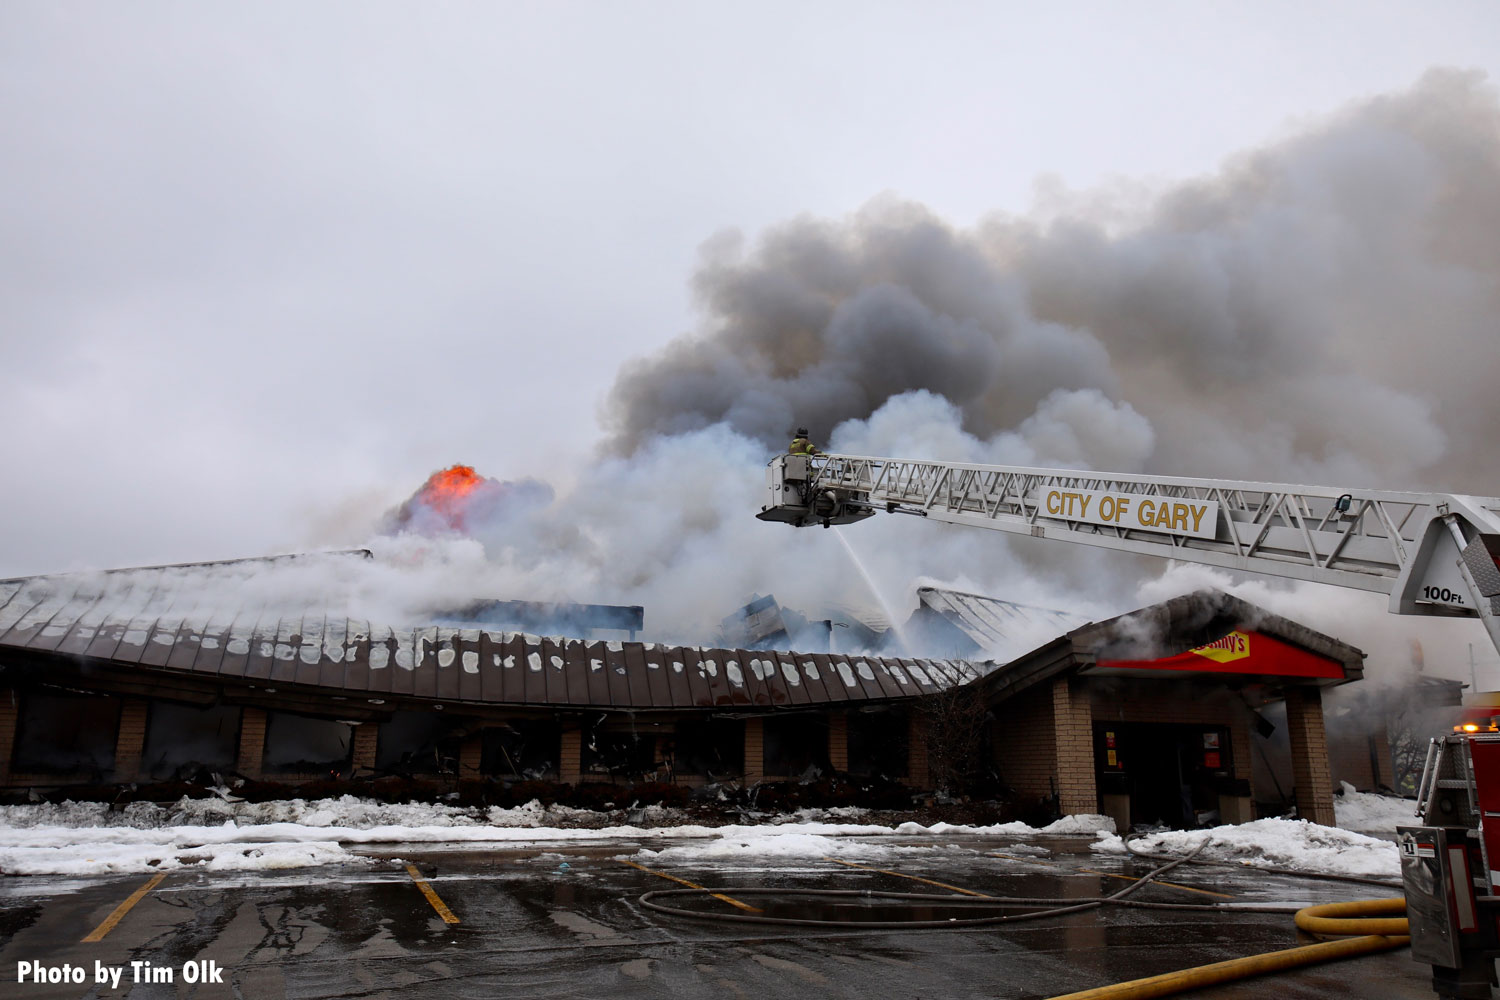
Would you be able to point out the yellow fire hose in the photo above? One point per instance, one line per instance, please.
(1374, 920)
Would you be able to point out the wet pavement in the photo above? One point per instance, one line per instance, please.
(568, 922)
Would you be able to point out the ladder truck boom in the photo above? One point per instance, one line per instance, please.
(1432, 553)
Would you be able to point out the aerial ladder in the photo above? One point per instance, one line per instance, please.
(1430, 553)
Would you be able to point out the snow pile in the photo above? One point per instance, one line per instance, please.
(82, 838)
(103, 858)
(759, 843)
(1085, 824)
(1370, 813)
(1079, 825)
(830, 812)
(816, 840)
(1275, 843)
(344, 811)
(534, 815)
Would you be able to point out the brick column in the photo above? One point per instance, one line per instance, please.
(918, 775)
(469, 756)
(1310, 772)
(1240, 743)
(366, 746)
(570, 757)
(252, 742)
(755, 750)
(1073, 735)
(10, 714)
(838, 741)
(130, 742)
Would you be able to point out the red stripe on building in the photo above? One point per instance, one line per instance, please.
(1265, 657)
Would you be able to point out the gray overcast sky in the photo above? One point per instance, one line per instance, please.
(265, 266)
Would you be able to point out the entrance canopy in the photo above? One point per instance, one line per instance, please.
(1207, 635)
(1241, 651)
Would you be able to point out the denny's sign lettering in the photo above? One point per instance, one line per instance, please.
(1135, 511)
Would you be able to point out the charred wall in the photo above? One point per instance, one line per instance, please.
(66, 735)
(182, 740)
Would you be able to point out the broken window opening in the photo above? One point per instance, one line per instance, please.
(615, 746)
(796, 745)
(879, 743)
(300, 744)
(523, 748)
(66, 734)
(413, 743)
(713, 748)
(183, 740)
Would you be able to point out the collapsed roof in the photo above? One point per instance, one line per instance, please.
(157, 628)
(991, 625)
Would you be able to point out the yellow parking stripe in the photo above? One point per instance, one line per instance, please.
(914, 878)
(124, 908)
(693, 885)
(1174, 885)
(432, 896)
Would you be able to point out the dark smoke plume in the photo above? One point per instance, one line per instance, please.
(1325, 309)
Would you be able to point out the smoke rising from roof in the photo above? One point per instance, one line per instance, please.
(1319, 309)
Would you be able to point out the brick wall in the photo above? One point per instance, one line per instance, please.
(570, 755)
(130, 740)
(755, 750)
(918, 775)
(10, 712)
(1310, 770)
(838, 741)
(366, 747)
(1073, 734)
(252, 742)
(1025, 754)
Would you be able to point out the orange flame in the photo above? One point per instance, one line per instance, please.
(454, 497)
(447, 490)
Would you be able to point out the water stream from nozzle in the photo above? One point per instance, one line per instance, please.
(879, 597)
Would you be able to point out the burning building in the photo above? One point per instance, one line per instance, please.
(269, 690)
(148, 674)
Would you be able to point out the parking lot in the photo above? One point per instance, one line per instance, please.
(566, 922)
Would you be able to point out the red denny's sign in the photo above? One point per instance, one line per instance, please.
(1242, 652)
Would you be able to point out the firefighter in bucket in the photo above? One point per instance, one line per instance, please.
(802, 444)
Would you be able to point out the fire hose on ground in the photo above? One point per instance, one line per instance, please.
(1364, 927)
(1373, 920)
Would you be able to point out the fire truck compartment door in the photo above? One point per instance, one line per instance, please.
(1429, 900)
(1484, 751)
